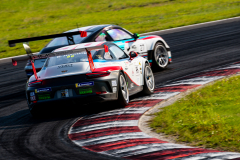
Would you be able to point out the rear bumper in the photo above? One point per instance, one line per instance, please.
(79, 99)
(87, 91)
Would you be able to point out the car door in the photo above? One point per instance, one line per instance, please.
(131, 67)
(126, 41)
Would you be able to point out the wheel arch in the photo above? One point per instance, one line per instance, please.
(151, 50)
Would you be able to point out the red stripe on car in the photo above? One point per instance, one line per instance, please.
(110, 68)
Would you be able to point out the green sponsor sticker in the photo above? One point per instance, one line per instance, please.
(44, 96)
(85, 91)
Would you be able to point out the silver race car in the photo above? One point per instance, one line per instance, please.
(87, 72)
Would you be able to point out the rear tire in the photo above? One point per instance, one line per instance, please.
(123, 94)
(160, 56)
(149, 83)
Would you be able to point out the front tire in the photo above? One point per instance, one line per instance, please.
(149, 83)
(160, 56)
(123, 94)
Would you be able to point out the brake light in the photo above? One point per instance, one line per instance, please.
(35, 83)
(97, 74)
(103, 92)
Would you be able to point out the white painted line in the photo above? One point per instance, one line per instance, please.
(105, 125)
(129, 110)
(232, 66)
(111, 138)
(196, 80)
(141, 149)
(193, 25)
(159, 95)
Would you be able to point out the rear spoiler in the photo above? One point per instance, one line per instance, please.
(69, 35)
(32, 57)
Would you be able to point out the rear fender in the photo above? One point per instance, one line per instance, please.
(151, 41)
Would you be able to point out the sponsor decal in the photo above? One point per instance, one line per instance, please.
(114, 89)
(64, 66)
(64, 93)
(85, 90)
(44, 96)
(40, 90)
(70, 56)
(64, 71)
(137, 70)
(84, 84)
(139, 63)
(114, 83)
(33, 98)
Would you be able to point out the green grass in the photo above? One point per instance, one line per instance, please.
(209, 117)
(41, 17)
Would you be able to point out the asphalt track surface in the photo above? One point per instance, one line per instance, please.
(21, 137)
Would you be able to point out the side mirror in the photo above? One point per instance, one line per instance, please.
(133, 54)
(136, 36)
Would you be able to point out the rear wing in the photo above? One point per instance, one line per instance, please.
(87, 47)
(69, 35)
(31, 57)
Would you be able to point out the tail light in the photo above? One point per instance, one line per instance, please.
(103, 92)
(35, 83)
(97, 74)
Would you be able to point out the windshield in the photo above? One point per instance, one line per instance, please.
(63, 40)
(72, 58)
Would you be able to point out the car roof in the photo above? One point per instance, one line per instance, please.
(89, 45)
(92, 28)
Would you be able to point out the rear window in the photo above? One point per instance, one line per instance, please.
(63, 40)
(72, 58)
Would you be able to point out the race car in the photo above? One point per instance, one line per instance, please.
(151, 47)
(87, 72)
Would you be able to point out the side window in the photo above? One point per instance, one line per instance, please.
(102, 37)
(118, 34)
(101, 54)
(117, 52)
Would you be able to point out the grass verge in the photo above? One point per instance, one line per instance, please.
(209, 117)
(42, 17)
